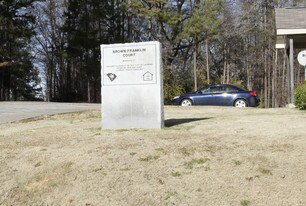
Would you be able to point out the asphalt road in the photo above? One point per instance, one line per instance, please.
(15, 111)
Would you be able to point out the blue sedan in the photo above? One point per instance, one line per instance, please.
(219, 95)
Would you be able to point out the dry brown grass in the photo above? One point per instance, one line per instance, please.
(204, 156)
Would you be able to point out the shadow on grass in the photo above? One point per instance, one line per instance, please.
(174, 122)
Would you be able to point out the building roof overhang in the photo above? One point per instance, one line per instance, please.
(290, 24)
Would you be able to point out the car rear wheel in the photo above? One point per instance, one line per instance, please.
(240, 103)
(186, 102)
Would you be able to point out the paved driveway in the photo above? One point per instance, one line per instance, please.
(14, 111)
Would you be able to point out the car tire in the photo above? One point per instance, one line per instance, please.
(186, 102)
(240, 103)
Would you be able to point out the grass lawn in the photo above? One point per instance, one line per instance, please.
(204, 156)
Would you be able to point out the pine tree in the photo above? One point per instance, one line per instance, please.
(18, 77)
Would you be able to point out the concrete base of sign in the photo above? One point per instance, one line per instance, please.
(135, 107)
(132, 89)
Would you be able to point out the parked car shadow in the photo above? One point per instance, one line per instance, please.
(174, 122)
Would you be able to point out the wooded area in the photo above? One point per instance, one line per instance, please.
(50, 49)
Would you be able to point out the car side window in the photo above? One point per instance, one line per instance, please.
(223, 89)
(209, 90)
(215, 89)
(229, 89)
(205, 90)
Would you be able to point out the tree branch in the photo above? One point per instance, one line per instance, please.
(5, 64)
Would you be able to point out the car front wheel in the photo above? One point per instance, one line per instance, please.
(186, 102)
(240, 103)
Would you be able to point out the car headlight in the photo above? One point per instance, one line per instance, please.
(176, 97)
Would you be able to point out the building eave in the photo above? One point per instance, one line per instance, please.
(281, 32)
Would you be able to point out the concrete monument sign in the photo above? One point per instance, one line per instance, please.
(132, 87)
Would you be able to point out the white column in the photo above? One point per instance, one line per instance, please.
(291, 92)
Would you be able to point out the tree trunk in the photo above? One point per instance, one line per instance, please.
(224, 64)
(88, 91)
(265, 62)
(207, 63)
(195, 69)
(274, 80)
